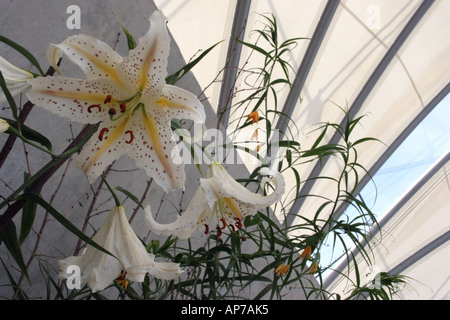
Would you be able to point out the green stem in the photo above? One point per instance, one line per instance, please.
(116, 199)
(18, 133)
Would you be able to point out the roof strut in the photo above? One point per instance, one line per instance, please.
(232, 64)
(361, 98)
(307, 62)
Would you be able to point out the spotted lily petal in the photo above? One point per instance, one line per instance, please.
(17, 79)
(109, 143)
(181, 104)
(75, 99)
(99, 270)
(97, 59)
(220, 200)
(185, 224)
(155, 150)
(145, 67)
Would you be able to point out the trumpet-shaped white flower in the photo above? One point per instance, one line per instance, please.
(99, 269)
(3, 125)
(17, 79)
(221, 200)
(131, 99)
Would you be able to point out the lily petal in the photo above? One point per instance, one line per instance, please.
(109, 143)
(16, 79)
(3, 125)
(185, 224)
(181, 104)
(72, 98)
(154, 149)
(97, 59)
(220, 184)
(116, 235)
(145, 66)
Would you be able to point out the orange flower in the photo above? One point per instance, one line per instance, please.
(121, 280)
(254, 116)
(314, 267)
(282, 269)
(306, 253)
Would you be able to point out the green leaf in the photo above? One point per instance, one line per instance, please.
(23, 51)
(9, 236)
(8, 96)
(130, 39)
(28, 215)
(129, 195)
(61, 219)
(32, 134)
(172, 79)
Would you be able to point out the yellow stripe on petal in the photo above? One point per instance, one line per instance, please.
(148, 60)
(233, 207)
(113, 136)
(107, 69)
(164, 102)
(153, 132)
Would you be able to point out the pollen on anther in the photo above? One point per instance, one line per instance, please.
(102, 133)
(89, 109)
(123, 107)
(131, 136)
(108, 98)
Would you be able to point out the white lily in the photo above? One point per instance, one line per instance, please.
(99, 269)
(221, 200)
(131, 99)
(3, 125)
(17, 79)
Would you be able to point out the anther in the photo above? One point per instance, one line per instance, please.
(89, 109)
(224, 224)
(102, 132)
(112, 111)
(238, 223)
(108, 98)
(123, 107)
(219, 231)
(206, 229)
(131, 136)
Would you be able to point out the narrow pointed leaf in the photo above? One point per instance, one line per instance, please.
(23, 51)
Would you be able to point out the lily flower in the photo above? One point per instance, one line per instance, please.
(129, 97)
(99, 269)
(306, 253)
(17, 79)
(282, 269)
(314, 267)
(254, 117)
(3, 125)
(219, 201)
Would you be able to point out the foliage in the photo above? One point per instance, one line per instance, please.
(237, 265)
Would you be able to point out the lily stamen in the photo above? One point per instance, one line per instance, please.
(101, 134)
(108, 98)
(89, 109)
(131, 137)
(123, 107)
(206, 229)
(238, 223)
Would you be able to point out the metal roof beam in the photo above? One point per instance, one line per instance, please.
(361, 98)
(307, 62)
(232, 63)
